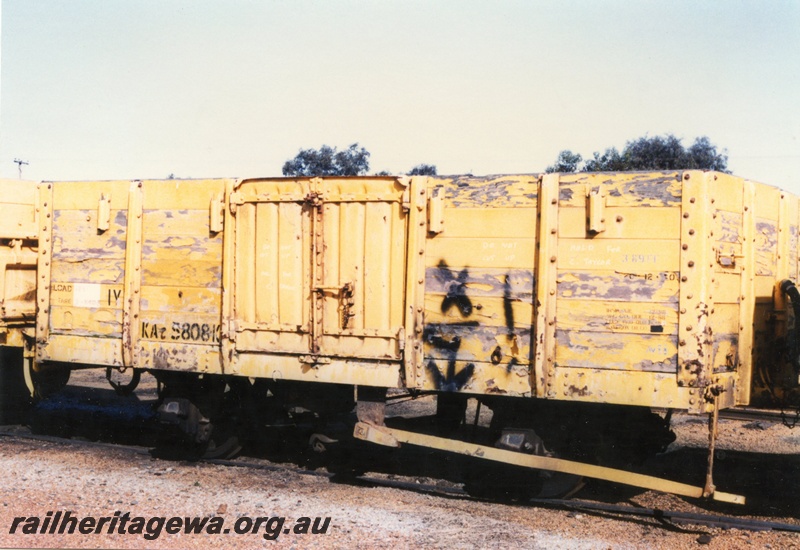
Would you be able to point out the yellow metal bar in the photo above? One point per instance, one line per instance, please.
(228, 332)
(133, 278)
(415, 281)
(546, 275)
(392, 437)
(45, 210)
(747, 301)
(696, 262)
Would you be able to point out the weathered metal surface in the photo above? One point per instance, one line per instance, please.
(617, 351)
(617, 317)
(19, 201)
(495, 285)
(766, 247)
(639, 286)
(479, 286)
(546, 288)
(320, 268)
(488, 191)
(696, 262)
(411, 339)
(747, 296)
(623, 189)
(179, 302)
(18, 258)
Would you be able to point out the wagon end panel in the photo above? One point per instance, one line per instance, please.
(774, 226)
(18, 238)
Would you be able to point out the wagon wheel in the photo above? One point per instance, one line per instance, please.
(49, 380)
(205, 413)
(507, 483)
(523, 428)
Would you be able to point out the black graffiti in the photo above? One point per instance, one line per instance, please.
(445, 337)
(450, 381)
(508, 308)
(456, 290)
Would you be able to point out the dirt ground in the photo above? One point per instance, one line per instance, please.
(90, 475)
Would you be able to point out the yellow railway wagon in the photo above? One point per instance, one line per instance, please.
(655, 289)
(652, 289)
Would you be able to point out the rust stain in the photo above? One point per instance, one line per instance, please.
(574, 391)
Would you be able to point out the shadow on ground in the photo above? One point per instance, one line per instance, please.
(770, 482)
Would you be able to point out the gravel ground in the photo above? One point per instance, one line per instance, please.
(758, 459)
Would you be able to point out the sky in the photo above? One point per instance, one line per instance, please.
(122, 89)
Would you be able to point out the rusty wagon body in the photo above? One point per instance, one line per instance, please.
(655, 290)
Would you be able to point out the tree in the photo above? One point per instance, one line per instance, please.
(423, 170)
(648, 153)
(328, 161)
(567, 161)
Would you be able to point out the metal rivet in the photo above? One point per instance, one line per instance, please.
(691, 232)
(685, 214)
(684, 279)
(685, 247)
(691, 263)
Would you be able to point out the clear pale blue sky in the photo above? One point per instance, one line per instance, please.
(145, 88)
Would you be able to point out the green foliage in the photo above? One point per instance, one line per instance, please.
(567, 161)
(423, 170)
(328, 161)
(648, 153)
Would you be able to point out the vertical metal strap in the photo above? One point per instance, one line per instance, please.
(546, 281)
(45, 212)
(317, 269)
(415, 282)
(133, 278)
(747, 296)
(228, 336)
(696, 276)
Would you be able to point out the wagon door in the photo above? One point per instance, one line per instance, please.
(320, 267)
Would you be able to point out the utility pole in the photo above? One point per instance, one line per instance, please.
(19, 164)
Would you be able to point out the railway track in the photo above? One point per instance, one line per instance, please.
(789, 417)
(660, 517)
